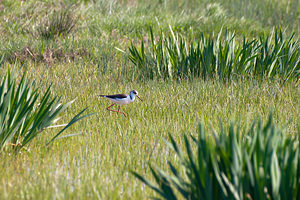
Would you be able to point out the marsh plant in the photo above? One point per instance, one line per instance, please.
(261, 163)
(220, 57)
(25, 111)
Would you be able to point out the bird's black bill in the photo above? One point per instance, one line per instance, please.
(139, 97)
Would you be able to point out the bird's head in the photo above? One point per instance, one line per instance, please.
(135, 93)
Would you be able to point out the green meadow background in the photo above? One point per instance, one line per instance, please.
(88, 56)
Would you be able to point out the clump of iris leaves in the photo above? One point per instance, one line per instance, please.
(25, 112)
(260, 163)
(222, 57)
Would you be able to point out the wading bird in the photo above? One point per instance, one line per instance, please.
(121, 99)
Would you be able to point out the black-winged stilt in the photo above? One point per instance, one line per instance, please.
(121, 99)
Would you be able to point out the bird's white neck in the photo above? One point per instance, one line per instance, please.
(132, 96)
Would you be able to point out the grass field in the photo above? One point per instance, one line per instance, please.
(84, 63)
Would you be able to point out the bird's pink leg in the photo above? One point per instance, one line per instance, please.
(121, 112)
(124, 114)
(111, 106)
(115, 110)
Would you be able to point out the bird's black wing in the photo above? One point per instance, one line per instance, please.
(115, 96)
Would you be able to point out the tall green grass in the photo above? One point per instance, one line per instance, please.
(261, 163)
(115, 23)
(268, 13)
(59, 22)
(173, 56)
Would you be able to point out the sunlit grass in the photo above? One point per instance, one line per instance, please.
(96, 163)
